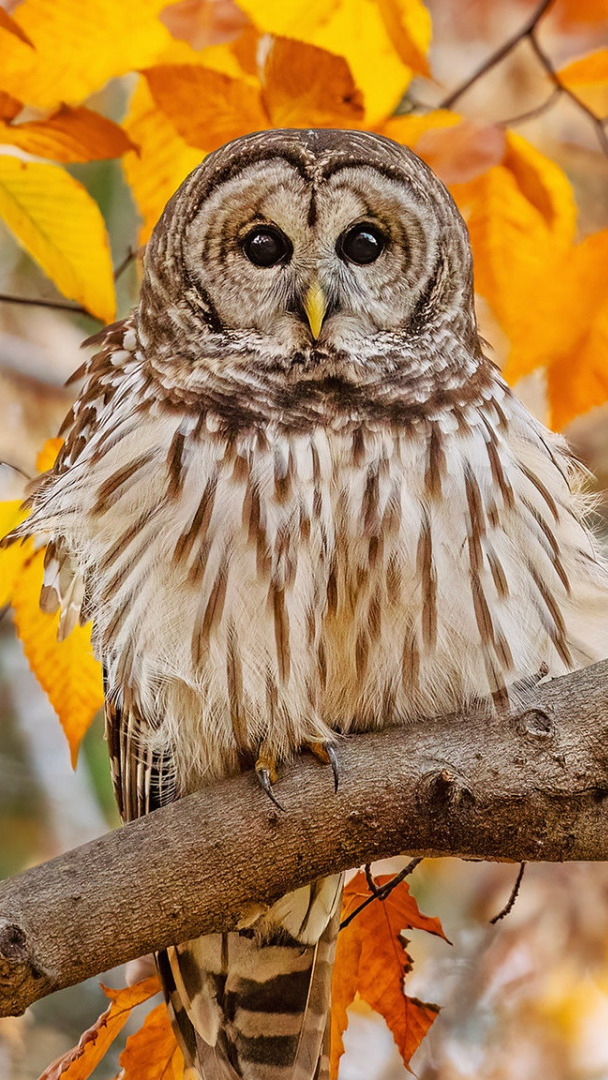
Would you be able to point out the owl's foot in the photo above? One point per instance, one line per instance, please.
(325, 752)
(266, 772)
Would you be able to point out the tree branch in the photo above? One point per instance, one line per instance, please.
(527, 787)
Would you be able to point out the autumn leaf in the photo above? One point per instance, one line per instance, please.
(372, 961)
(70, 134)
(589, 70)
(459, 154)
(10, 107)
(66, 670)
(12, 27)
(78, 1063)
(55, 219)
(164, 158)
(207, 108)
(11, 558)
(152, 1053)
(304, 86)
(79, 47)
(383, 43)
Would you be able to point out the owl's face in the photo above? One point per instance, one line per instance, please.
(296, 260)
(300, 246)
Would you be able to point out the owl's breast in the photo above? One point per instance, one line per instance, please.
(274, 587)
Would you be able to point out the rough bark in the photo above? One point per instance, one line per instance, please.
(526, 787)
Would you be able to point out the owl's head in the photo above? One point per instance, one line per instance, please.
(307, 248)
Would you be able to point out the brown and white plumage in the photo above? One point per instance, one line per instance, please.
(280, 538)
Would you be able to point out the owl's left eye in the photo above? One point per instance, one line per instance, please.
(266, 245)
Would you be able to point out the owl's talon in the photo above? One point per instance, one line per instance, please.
(266, 777)
(326, 752)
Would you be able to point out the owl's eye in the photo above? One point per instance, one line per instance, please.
(361, 244)
(267, 246)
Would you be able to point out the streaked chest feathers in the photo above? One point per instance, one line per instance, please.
(271, 584)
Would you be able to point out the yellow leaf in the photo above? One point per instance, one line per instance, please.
(373, 37)
(78, 1063)
(11, 558)
(459, 154)
(152, 1053)
(78, 47)
(206, 107)
(589, 70)
(164, 158)
(308, 87)
(12, 27)
(544, 185)
(71, 134)
(55, 219)
(67, 670)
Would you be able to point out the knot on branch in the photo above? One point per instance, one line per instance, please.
(13, 943)
(537, 723)
(444, 789)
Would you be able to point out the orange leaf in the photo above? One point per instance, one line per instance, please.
(589, 70)
(71, 134)
(308, 87)
(10, 107)
(46, 457)
(12, 27)
(207, 108)
(78, 1063)
(371, 960)
(384, 42)
(152, 1053)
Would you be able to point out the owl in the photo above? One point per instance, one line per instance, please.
(297, 501)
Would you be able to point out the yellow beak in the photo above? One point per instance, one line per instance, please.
(315, 306)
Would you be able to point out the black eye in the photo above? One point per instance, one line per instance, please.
(266, 246)
(361, 244)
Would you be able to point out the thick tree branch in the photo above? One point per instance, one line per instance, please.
(532, 786)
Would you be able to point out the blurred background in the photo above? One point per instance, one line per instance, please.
(523, 999)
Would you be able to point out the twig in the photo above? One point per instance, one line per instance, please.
(55, 305)
(384, 890)
(531, 114)
(132, 254)
(562, 88)
(513, 897)
(15, 468)
(499, 54)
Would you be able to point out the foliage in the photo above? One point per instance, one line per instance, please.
(201, 76)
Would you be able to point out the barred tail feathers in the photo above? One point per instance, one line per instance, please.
(251, 1009)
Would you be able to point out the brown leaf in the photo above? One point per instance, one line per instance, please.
(207, 108)
(152, 1053)
(70, 134)
(304, 86)
(78, 1063)
(372, 961)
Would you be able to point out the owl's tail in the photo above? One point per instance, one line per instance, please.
(246, 1007)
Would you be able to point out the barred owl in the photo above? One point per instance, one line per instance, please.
(297, 501)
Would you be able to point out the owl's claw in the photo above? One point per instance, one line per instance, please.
(266, 772)
(326, 752)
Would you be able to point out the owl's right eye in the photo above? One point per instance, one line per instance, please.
(266, 245)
